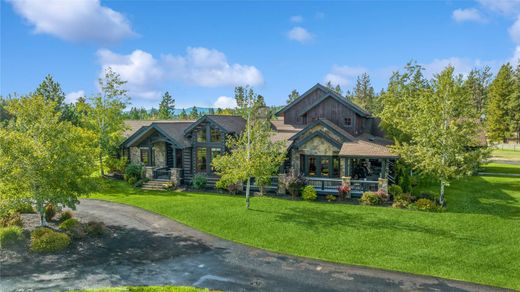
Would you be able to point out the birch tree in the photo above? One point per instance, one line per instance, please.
(105, 115)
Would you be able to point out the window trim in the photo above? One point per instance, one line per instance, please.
(319, 165)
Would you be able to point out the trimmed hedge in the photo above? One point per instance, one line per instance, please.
(45, 240)
(309, 193)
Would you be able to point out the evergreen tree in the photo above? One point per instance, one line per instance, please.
(477, 84)
(183, 115)
(292, 96)
(194, 114)
(498, 120)
(51, 90)
(166, 107)
(514, 105)
(336, 88)
(364, 95)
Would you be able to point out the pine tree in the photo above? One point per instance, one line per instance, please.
(500, 91)
(292, 96)
(364, 95)
(514, 105)
(166, 107)
(183, 115)
(194, 114)
(477, 84)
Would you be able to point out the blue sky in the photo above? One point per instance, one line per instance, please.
(200, 50)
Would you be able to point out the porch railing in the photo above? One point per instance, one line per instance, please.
(361, 186)
(162, 173)
(324, 185)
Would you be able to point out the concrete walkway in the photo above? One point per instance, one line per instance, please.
(193, 258)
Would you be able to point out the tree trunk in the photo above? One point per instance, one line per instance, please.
(441, 197)
(101, 163)
(248, 189)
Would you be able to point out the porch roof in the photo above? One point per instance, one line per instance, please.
(362, 148)
(171, 131)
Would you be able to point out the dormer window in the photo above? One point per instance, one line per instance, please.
(348, 122)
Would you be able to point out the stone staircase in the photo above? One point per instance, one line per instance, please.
(154, 185)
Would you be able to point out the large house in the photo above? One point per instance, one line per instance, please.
(327, 137)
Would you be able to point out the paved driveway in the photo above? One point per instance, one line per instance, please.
(149, 249)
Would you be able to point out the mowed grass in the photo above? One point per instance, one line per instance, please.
(506, 154)
(147, 289)
(500, 168)
(477, 239)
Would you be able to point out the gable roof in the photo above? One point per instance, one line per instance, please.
(230, 124)
(327, 124)
(329, 93)
(362, 148)
(173, 131)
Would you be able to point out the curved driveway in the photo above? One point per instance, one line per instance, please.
(189, 257)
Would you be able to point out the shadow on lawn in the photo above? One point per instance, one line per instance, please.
(487, 196)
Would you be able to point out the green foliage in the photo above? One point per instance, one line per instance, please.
(395, 190)
(370, 198)
(497, 115)
(50, 212)
(330, 198)
(427, 195)
(42, 158)
(45, 240)
(434, 124)
(293, 96)
(9, 236)
(133, 181)
(24, 208)
(95, 228)
(138, 183)
(148, 289)
(133, 171)
(166, 107)
(425, 205)
(200, 181)
(117, 165)
(10, 218)
(364, 95)
(65, 215)
(309, 193)
(477, 84)
(73, 228)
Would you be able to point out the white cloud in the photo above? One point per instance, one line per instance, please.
(461, 65)
(225, 102)
(507, 7)
(516, 56)
(209, 68)
(296, 18)
(140, 69)
(344, 75)
(300, 34)
(514, 31)
(469, 14)
(73, 96)
(147, 75)
(79, 20)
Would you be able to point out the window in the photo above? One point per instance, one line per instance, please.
(201, 134)
(215, 152)
(348, 122)
(215, 135)
(322, 166)
(325, 167)
(201, 163)
(312, 166)
(145, 159)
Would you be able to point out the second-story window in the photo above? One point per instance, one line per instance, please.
(348, 121)
(215, 135)
(201, 134)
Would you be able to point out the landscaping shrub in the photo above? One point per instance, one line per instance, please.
(95, 228)
(10, 236)
(49, 212)
(133, 173)
(132, 181)
(293, 182)
(73, 228)
(46, 240)
(309, 193)
(330, 198)
(200, 181)
(370, 198)
(169, 186)
(116, 165)
(427, 195)
(24, 208)
(383, 196)
(138, 183)
(65, 215)
(425, 205)
(395, 190)
(11, 218)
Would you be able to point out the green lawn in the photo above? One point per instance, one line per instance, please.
(147, 289)
(500, 168)
(506, 154)
(477, 239)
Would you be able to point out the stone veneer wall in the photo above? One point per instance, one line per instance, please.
(135, 155)
(316, 146)
(160, 154)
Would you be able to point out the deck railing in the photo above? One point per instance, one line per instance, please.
(361, 186)
(162, 173)
(321, 184)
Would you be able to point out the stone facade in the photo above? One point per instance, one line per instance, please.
(160, 154)
(135, 155)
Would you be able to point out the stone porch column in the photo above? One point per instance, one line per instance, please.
(382, 184)
(281, 185)
(148, 172)
(176, 176)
